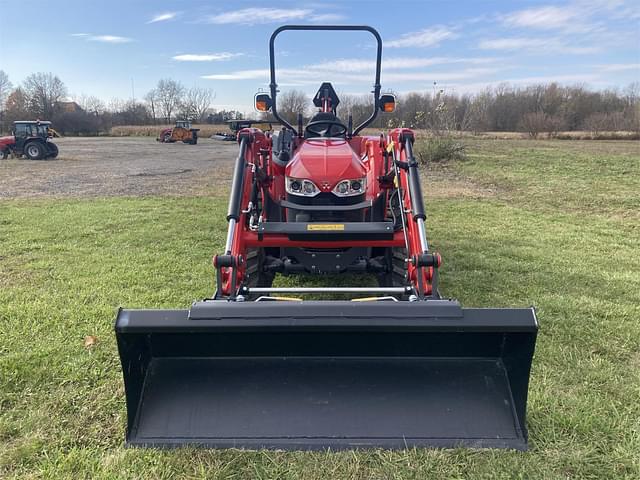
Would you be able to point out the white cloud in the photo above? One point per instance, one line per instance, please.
(239, 75)
(109, 39)
(619, 67)
(548, 17)
(286, 76)
(462, 87)
(576, 78)
(327, 17)
(470, 73)
(252, 16)
(102, 38)
(208, 57)
(541, 45)
(163, 17)
(397, 63)
(310, 76)
(428, 37)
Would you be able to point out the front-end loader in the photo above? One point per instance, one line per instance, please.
(394, 365)
(181, 132)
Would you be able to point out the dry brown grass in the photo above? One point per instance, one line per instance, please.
(569, 135)
(206, 130)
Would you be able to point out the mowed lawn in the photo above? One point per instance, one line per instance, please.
(547, 223)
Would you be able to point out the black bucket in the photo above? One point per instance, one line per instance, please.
(327, 374)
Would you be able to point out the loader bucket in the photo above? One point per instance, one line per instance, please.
(327, 374)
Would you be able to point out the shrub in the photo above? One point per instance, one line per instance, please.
(439, 149)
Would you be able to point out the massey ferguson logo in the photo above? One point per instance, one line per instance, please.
(325, 185)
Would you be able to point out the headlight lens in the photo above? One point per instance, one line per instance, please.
(302, 187)
(348, 188)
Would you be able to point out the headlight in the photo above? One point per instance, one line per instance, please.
(348, 188)
(304, 188)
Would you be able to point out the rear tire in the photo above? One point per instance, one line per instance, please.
(35, 151)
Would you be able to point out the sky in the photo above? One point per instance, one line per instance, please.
(122, 48)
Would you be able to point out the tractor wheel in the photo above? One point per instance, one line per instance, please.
(35, 151)
(53, 150)
(167, 138)
(397, 274)
(255, 276)
(4, 153)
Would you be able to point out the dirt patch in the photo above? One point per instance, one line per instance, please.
(140, 166)
(129, 166)
(159, 174)
(440, 181)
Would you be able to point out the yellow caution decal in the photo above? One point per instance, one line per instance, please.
(326, 227)
(390, 146)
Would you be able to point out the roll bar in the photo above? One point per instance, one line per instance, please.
(273, 86)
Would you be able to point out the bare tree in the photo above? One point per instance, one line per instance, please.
(152, 102)
(196, 102)
(169, 95)
(597, 123)
(44, 91)
(291, 103)
(554, 125)
(116, 105)
(533, 123)
(16, 106)
(476, 118)
(91, 104)
(5, 88)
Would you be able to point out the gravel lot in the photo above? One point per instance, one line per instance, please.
(122, 166)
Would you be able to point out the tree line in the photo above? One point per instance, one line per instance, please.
(45, 96)
(535, 109)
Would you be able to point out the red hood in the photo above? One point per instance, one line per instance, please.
(8, 140)
(325, 161)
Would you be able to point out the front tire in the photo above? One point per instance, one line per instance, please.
(35, 151)
(396, 274)
(166, 138)
(255, 276)
(53, 150)
(4, 153)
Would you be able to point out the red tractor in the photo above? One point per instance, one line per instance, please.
(181, 132)
(31, 139)
(398, 367)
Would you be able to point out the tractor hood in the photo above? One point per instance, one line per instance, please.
(325, 161)
(7, 140)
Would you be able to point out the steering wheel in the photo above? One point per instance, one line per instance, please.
(327, 129)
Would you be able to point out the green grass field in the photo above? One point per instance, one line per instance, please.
(545, 223)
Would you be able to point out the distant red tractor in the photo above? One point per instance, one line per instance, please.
(182, 132)
(31, 139)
